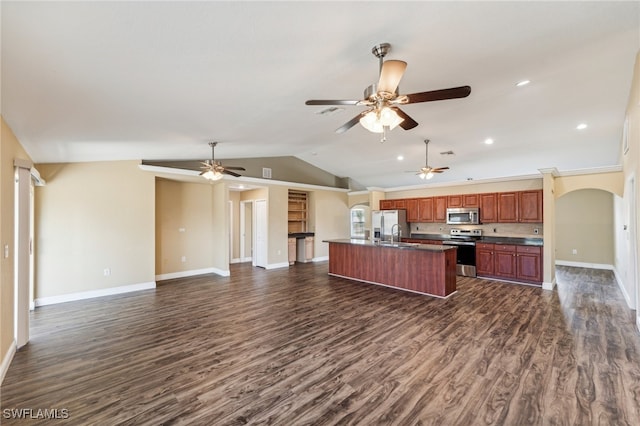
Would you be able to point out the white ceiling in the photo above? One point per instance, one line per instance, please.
(87, 81)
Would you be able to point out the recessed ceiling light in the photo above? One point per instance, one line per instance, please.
(523, 83)
(581, 126)
(488, 141)
(400, 158)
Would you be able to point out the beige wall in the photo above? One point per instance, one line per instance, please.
(10, 149)
(584, 222)
(89, 217)
(332, 219)
(628, 230)
(234, 199)
(183, 227)
(277, 208)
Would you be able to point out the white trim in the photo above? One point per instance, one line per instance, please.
(235, 260)
(549, 286)
(393, 287)
(585, 264)
(246, 259)
(320, 259)
(363, 192)
(191, 273)
(71, 297)
(620, 283)
(260, 181)
(277, 265)
(6, 360)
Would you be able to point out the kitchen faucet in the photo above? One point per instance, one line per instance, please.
(399, 232)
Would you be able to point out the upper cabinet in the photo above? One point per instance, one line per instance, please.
(488, 208)
(425, 209)
(413, 210)
(463, 200)
(440, 209)
(530, 206)
(495, 207)
(521, 206)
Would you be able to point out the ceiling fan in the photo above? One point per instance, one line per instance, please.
(214, 170)
(382, 100)
(427, 171)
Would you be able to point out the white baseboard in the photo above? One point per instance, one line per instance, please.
(191, 273)
(620, 282)
(277, 265)
(246, 259)
(549, 286)
(6, 360)
(320, 259)
(584, 264)
(51, 300)
(235, 260)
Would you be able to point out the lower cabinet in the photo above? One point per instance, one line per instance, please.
(292, 250)
(510, 262)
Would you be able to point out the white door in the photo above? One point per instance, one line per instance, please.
(22, 252)
(246, 230)
(260, 258)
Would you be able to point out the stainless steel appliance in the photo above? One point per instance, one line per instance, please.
(465, 241)
(463, 216)
(389, 225)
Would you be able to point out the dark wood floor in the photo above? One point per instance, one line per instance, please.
(295, 346)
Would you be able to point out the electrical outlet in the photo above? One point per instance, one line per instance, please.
(107, 272)
(536, 230)
(495, 229)
(574, 251)
(183, 259)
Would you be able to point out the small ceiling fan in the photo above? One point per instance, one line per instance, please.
(427, 171)
(382, 100)
(214, 170)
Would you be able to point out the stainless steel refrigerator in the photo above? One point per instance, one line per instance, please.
(386, 222)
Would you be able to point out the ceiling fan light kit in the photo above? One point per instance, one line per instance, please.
(383, 98)
(214, 170)
(427, 172)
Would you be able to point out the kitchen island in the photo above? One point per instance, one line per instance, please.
(419, 268)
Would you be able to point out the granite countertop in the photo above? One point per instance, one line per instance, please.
(492, 240)
(300, 234)
(396, 245)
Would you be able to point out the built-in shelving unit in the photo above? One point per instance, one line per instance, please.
(297, 211)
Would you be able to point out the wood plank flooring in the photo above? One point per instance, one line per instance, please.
(297, 347)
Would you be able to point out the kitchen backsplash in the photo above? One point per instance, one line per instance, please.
(519, 230)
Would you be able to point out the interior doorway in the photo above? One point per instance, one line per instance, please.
(23, 254)
(246, 231)
(261, 236)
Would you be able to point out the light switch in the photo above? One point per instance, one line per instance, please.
(6, 251)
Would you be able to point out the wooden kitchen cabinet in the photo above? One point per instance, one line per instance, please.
(463, 200)
(507, 207)
(425, 207)
(488, 208)
(529, 263)
(413, 210)
(292, 250)
(510, 262)
(505, 265)
(530, 206)
(485, 259)
(387, 204)
(440, 209)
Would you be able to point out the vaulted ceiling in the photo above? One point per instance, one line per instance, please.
(89, 81)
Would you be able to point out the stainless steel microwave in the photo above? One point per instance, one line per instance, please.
(463, 216)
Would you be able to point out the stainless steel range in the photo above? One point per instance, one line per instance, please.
(465, 240)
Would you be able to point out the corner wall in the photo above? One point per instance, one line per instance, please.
(10, 149)
(95, 230)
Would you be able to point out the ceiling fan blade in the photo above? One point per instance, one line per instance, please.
(439, 95)
(231, 173)
(349, 124)
(234, 168)
(390, 75)
(202, 172)
(330, 102)
(408, 122)
(440, 169)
